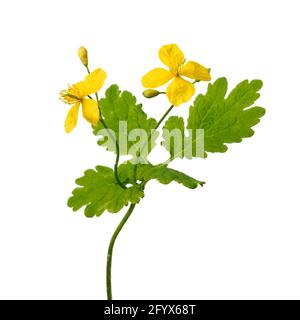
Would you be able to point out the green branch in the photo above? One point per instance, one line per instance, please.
(127, 215)
(163, 117)
(156, 127)
(110, 251)
(117, 155)
(112, 137)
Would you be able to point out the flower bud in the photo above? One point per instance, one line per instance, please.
(83, 56)
(150, 93)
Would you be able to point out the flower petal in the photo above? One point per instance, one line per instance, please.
(90, 110)
(195, 71)
(171, 56)
(156, 78)
(71, 119)
(92, 83)
(180, 91)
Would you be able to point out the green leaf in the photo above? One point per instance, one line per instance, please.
(226, 120)
(126, 119)
(223, 120)
(163, 174)
(99, 192)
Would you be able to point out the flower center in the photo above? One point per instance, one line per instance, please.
(175, 69)
(70, 96)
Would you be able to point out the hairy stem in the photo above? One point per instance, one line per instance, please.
(110, 250)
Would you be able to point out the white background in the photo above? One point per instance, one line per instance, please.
(237, 238)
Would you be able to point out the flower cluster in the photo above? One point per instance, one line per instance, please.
(178, 91)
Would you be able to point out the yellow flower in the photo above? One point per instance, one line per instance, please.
(179, 90)
(76, 95)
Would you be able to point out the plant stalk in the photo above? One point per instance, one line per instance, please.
(117, 144)
(125, 218)
(164, 116)
(110, 251)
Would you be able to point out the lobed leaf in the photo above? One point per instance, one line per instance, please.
(126, 120)
(99, 191)
(223, 120)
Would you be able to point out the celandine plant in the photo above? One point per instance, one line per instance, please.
(215, 119)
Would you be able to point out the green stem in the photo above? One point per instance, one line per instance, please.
(110, 251)
(164, 116)
(125, 218)
(156, 127)
(112, 137)
(117, 155)
(88, 69)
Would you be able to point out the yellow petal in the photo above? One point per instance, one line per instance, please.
(90, 110)
(71, 119)
(195, 71)
(156, 78)
(92, 83)
(171, 56)
(180, 91)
